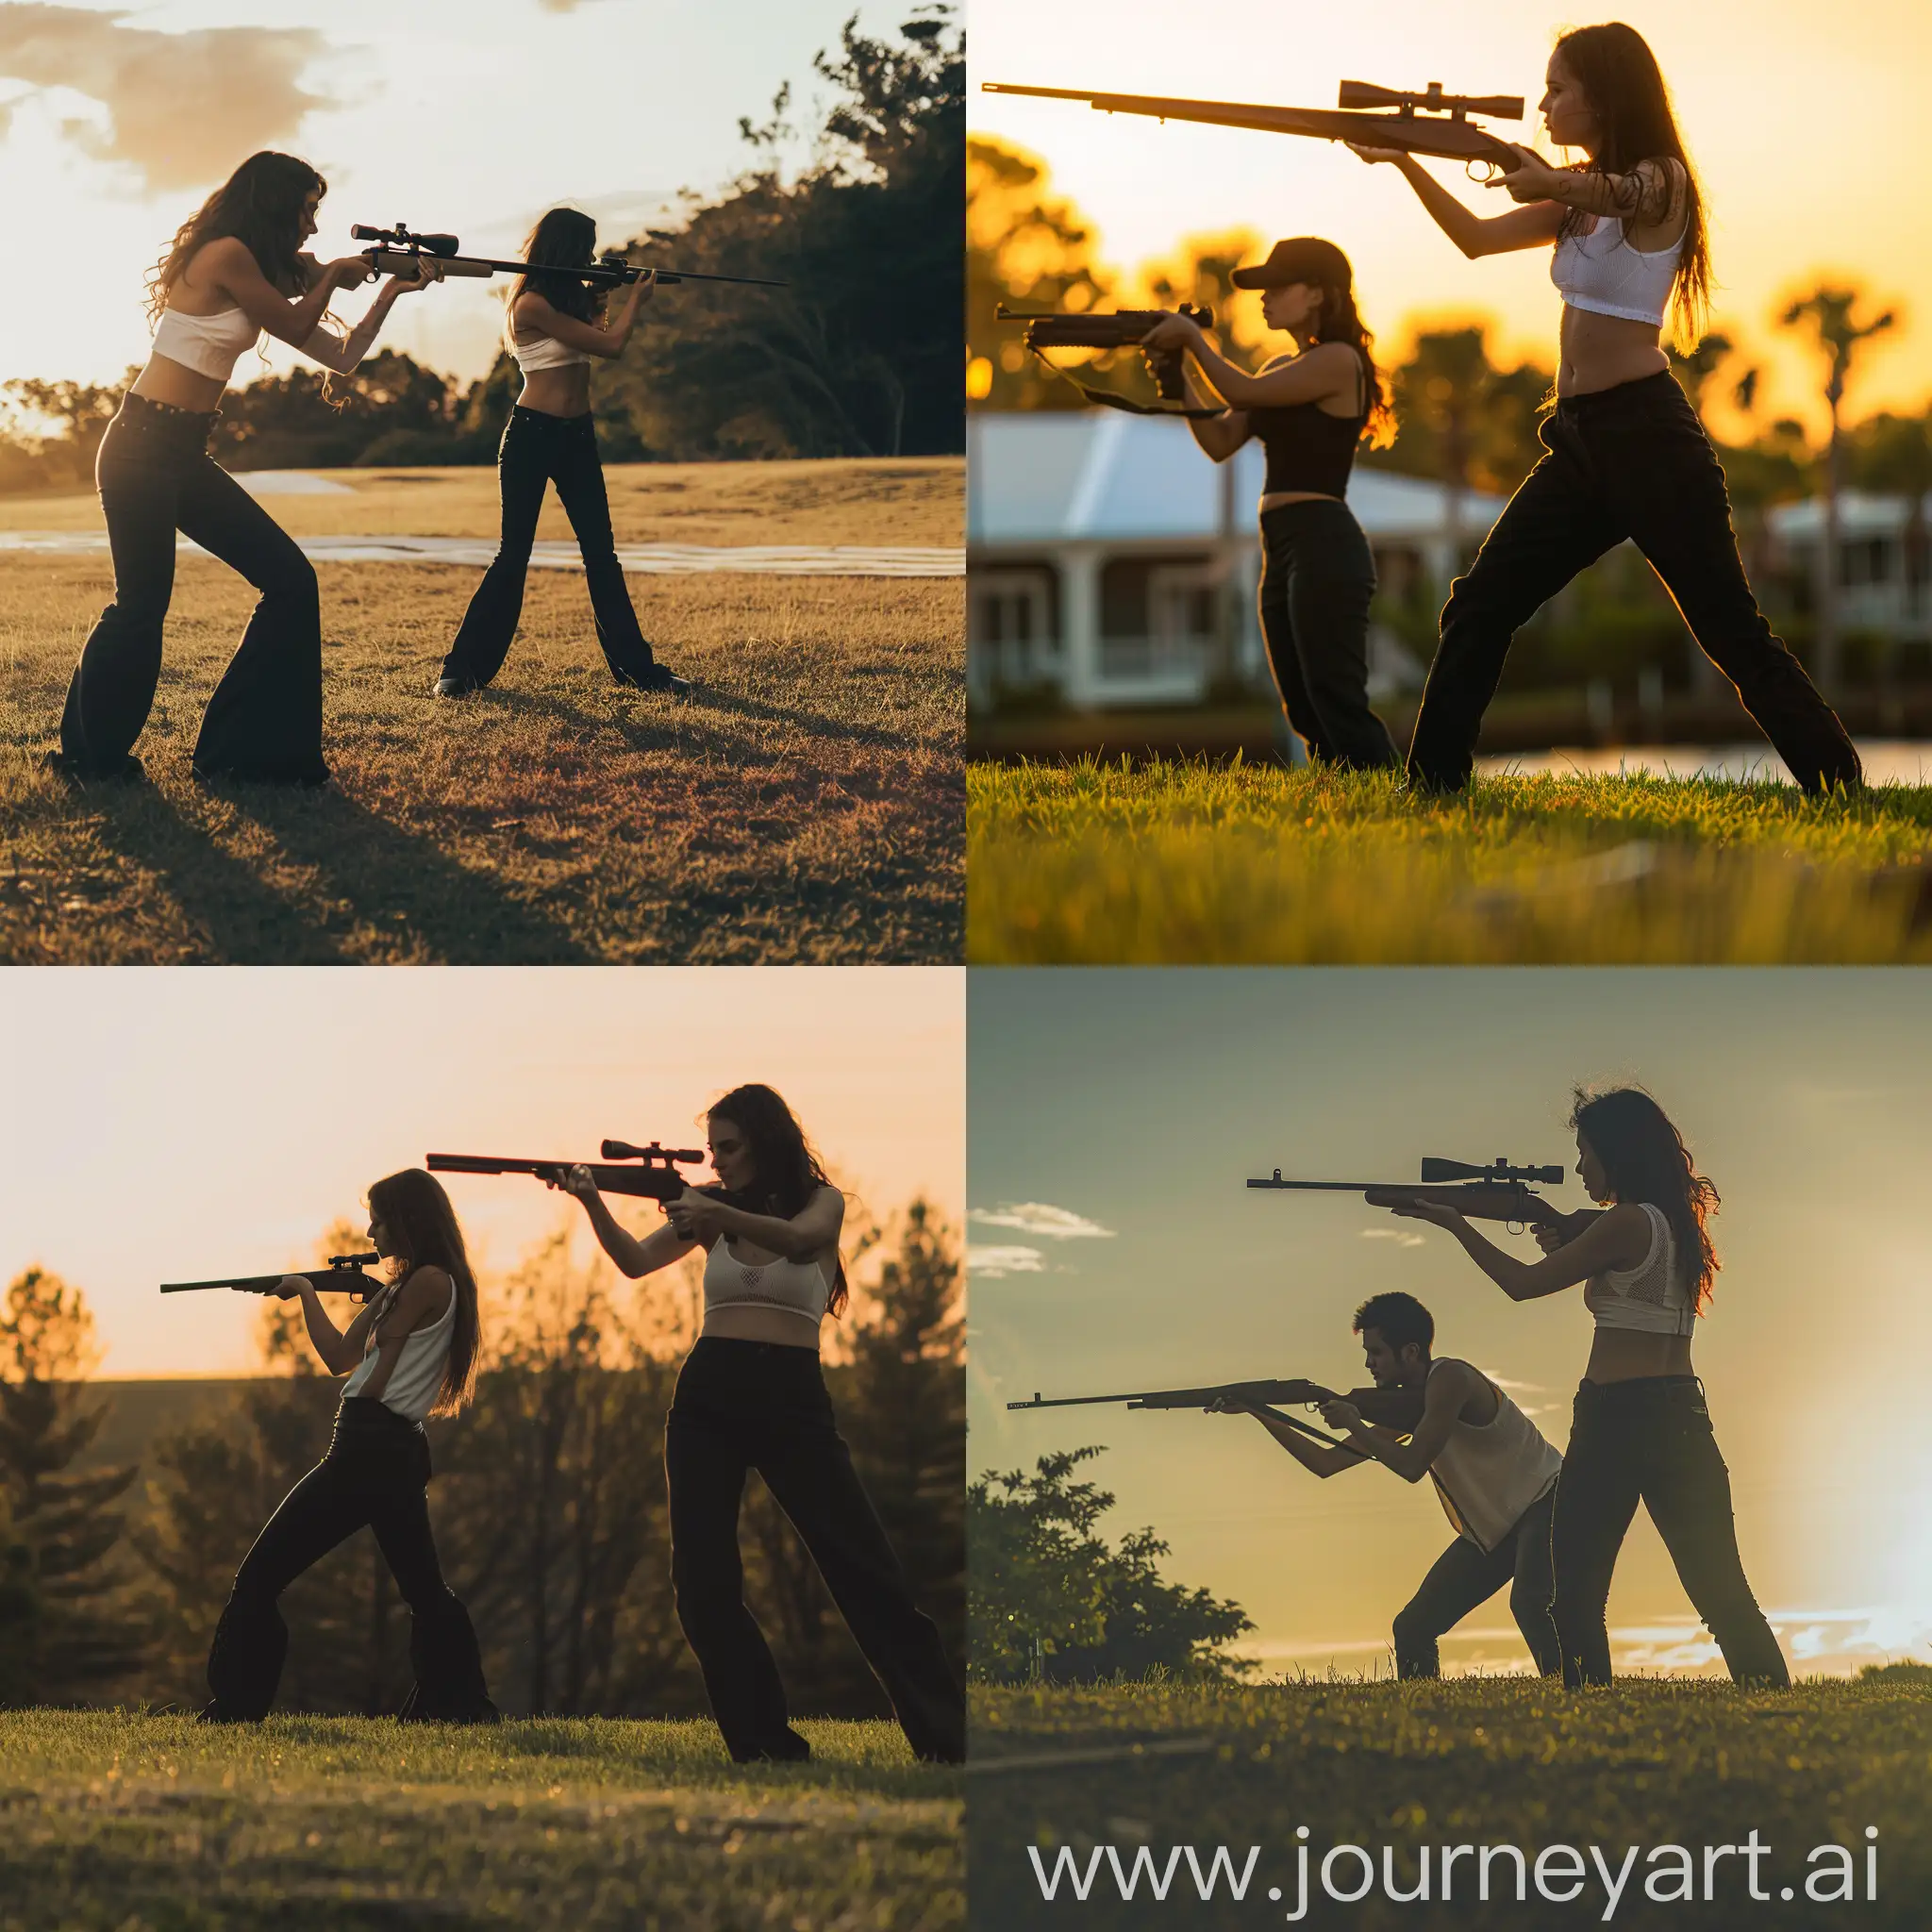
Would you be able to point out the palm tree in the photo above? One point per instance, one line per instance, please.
(1829, 311)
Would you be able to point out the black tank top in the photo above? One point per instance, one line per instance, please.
(1307, 448)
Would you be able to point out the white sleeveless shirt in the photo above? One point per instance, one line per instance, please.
(1487, 1476)
(208, 344)
(793, 1288)
(1652, 1297)
(413, 1382)
(1600, 272)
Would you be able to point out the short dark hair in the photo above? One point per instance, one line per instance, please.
(1400, 1318)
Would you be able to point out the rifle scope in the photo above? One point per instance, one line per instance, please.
(1498, 1170)
(401, 236)
(1365, 93)
(653, 1156)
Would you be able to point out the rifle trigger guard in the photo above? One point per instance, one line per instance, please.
(1489, 171)
(1516, 1228)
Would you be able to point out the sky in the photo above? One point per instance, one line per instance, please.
(1809, 131)
(1116, 1114)
(468, 116)
(177, 1124)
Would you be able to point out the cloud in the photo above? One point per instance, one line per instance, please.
(1038, 1218)
(184, 108)
(995, 1262)
(1400, 1236)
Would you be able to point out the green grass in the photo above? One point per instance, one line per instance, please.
(1189, 862)
(1468, 1760)
(144, 1824)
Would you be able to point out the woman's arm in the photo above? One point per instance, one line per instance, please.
(1218, 437)
(343, 354)
(421, 1301)
(535, 316)
(1617, 1238)
(340, 1351)
(1327, 371)
(1534, 226)
(810, 1231)
(634, 1257)
(1650, 193)
(230, 265)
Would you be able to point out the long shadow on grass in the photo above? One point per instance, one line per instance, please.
(403, 882)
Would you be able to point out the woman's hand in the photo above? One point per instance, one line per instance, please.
(645, 286)
(1342, 1415)
(427, 271)
(1535, 180)
(1438, 1213)
(577, 1181)
(1174, 332)
(1550, 1239)
(1231, 1404)
(694, 1217)
(348, 272)
(1372, 155)
(290, 1287)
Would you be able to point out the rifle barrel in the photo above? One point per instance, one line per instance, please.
(391, 259)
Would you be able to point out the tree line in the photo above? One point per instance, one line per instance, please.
(549, 1502)
(855, 358)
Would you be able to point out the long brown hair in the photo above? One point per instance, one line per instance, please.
(785, 1169)
(564, 238)
(421, 1228)
(1645, 1158)
(1619, 77)
(260, 205)
(1339, 323)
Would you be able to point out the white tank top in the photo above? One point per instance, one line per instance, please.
(418, 1373)
(208, 344)
(794, 1288)
(1601, 273)
(1653, 1296)
(544, 351)
(1487, 1476)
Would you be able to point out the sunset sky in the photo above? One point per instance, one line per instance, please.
(470, 116)
(1807, 125)
(177, 1124)
(1116, 1115)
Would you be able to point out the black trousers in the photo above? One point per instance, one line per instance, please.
(1465, 1576)
(376, 1472)
(539, 449)
(753, 1405)
(1630, 461)
(1650, 1441)
(264, 720)
(1318, 576)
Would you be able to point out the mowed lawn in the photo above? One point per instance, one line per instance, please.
(138, 1823)
(1479, 1762)
(805, 804)
(1185, 862)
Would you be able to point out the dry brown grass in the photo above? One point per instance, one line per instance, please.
(806, 804)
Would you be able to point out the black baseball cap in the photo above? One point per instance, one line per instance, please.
(1305, 259)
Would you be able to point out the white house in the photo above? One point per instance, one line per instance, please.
(1875, 589)
(1101, 547)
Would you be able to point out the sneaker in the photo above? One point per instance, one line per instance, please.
(453, 688)
(129, 770)
(659, 677)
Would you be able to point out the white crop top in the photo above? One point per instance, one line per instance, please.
(1653, 1296)
(795, 1288)
(1487, 1475)
(418, 1373)
(1600, 272)
(208, 344)
(544, 351)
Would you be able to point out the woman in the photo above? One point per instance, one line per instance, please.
(552, 329)
(1626, 455)
(412, 1352)
(1309, 409)
(750, 1396)
(1641, 1430)
(235, 270)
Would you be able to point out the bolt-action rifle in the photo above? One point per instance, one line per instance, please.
(343, 1275)
(400, 250)
(1395, 1408)
(1117, 329)
(656, 1177)
(1430, 123)
(1496, 1192)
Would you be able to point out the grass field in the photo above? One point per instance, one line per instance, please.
(1476, 1761)
(1192, 863)
(805, 804)
(348, 1824)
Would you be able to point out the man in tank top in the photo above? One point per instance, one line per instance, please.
(1493, 1469)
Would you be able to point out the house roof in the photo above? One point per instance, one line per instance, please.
(1100, 476)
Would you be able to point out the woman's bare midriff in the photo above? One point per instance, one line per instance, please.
(164, 380)
(1599, 352)
(1275, 498)
(558, 391)
(1624, 1355)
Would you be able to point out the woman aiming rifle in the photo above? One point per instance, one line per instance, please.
(751, 1396)
(411, 1353)
(1641, 1430)
(1309, 409)
(236, 269)
(1625, 455)
(554, 328)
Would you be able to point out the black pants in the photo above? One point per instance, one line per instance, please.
(264, 720)
(1650, 1439)
(754, 1405)
(1318, 576)
(539, 449)
(1630, 461)
(375, 1473)
(1466, 1574)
